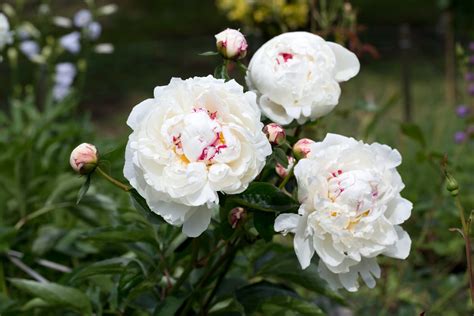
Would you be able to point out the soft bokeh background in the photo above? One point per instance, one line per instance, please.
(406, 96)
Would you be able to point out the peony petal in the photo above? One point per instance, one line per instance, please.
(347, 64)
(326, 251)
(349, 280)
(399, 211)
(286, 223)
(140, 112)
(303, 247)
(401, 249)
(331, 278)
(198, 221)
(274, 111)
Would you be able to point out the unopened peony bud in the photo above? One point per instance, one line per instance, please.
(236, 215)
(302, 148)
(84, 158)
(275, 133)
(452, 185)
(281, 171)
(231, 44)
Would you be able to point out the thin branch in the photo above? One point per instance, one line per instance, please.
(32, 273)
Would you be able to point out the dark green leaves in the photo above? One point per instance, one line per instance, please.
(263, 222)
(265, 197)
(414, 132)
(272, 299)
(55, 294)
(84, 189)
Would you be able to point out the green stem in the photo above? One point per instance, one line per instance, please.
(286, 179)
(467, 240)
(188, 269)
(112, 180)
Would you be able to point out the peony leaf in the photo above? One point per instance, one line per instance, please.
(414, 132)
(263, 222)
(280, 157)
(253, 295)
(169, 306)
(84, 189)
(120, 234)
(209, 53)
(279, 305)
(142, 207)
(56, 294)
(261, 196)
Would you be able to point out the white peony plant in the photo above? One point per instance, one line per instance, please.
(199, 145)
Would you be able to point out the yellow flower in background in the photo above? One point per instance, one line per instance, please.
(261, 12)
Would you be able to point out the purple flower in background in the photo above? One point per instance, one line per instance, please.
(469, 76)
(29, 48)
(471, 46)
(82, 18)
(470, 59)
(63, 78)
(460, 137)
(462, 110)
(93, 30)
(470, 89)
(71, 42)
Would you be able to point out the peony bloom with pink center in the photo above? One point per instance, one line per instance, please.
(351, 210)
(193, 139)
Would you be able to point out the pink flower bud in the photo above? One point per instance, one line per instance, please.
(275, 133)
(302, 148)
(282, 171)
(236, 215)
(231, 44)
(84, 158)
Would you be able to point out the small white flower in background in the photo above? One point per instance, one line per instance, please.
(5, 34)
(107, 9)
(231, 44)
(195, 138)
(82, 18)
(62, 21)
(44, 9)
(71, 42)
(93, 30)
(63, 79)
(281, 171)
(104, 48)
(302, 148)
(296, 76)
(351, 210)
(30, 48)
(84, 158)
(275, 133)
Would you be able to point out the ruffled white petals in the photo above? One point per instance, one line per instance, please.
(195, 138)
(198, 221)
(347, 64)
(296, 75)
(303, 245)
(351, 202)
(286, 223)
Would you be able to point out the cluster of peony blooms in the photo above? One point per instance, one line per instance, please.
(201, 137)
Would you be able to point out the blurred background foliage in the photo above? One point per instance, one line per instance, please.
(411, 81)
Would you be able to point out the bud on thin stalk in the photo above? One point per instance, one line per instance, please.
(231, 44)
(84, 158)
(236, 216)
(275, 133)
(302, 148)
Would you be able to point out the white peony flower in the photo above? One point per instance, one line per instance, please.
(195, 138)
(351, 210)
(62, 21)
(5, 33)
(296, 76)
(71, 42)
